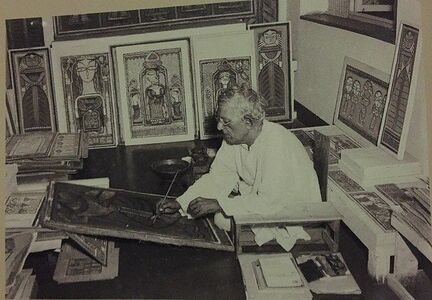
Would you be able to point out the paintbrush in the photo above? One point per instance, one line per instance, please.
(158, 212)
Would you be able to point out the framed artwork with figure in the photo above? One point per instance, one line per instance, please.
(217, 68)
(154, 92)
(361, 101)
(84, 91)
(33, 89)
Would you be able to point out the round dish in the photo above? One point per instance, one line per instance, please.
(166, 168)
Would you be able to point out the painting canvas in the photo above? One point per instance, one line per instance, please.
(154, 88)
(218, 75)
(375, 206)
(361, 101)
(84, 93)
(402, 89)
(125, 214)
(220, 60)
(33, 89)
(273, 63)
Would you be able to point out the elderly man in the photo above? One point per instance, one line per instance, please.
(262, 162)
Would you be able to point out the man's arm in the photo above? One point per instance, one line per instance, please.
(218, 183)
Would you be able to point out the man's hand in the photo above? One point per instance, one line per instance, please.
(167, 206)
(203, 206)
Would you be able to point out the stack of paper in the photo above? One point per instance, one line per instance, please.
(46, 155)
(24, 286)
(10, 180)
(17, 248)
(370, 166)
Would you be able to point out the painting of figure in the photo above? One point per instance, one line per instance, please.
(361, 100)
(88, 97)
(33, 89)
(273, 63)
(217, 75)
(156, 92)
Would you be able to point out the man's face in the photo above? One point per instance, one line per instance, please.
(234, 127)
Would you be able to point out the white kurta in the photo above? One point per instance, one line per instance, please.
(274, 172)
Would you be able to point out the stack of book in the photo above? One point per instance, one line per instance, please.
(44, 156)
(412, 206)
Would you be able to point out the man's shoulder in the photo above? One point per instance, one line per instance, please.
(277, 130)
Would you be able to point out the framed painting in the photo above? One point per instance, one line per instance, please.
(154, 92)
(30, 69)
(221, 60)
(273, 62)
(125, 214)
(361, 101)
(398, 109)
(373, 5)
(84, 91)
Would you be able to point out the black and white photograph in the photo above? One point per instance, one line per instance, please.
(217, 149)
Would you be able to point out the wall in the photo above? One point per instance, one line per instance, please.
(320, 52)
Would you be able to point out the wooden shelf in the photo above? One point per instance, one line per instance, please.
(379, 32)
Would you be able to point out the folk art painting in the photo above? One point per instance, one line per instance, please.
(361, 100)
(375, 206)
(33, 89)
(125, 214)
(217, 75)
(155, 92)
(394, 130)
(273, 64)
(88, 99)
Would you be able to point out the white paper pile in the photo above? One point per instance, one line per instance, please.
(370, 166)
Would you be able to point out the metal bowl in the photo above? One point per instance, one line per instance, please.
(167, 168)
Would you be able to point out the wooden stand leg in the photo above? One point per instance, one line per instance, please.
(405, 262)
(378, 265)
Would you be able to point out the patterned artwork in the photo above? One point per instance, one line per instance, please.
(88, 97)
(374, 206)
(361, 100)
(155, 92)
(395, 128)
(23, 203)
(33, 89)
(218, 75)
(344, 182)
(95, 247)
(124, 214)
(273, 62)
(75, 266)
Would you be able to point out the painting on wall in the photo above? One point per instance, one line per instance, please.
(154, 92)
(273, 63)
(126, 214)
(87, 94)
(361, 100)
(217, 75)
(33, 89)
(373, 5)
(402, 88)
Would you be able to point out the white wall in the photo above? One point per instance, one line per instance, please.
(320, 51)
